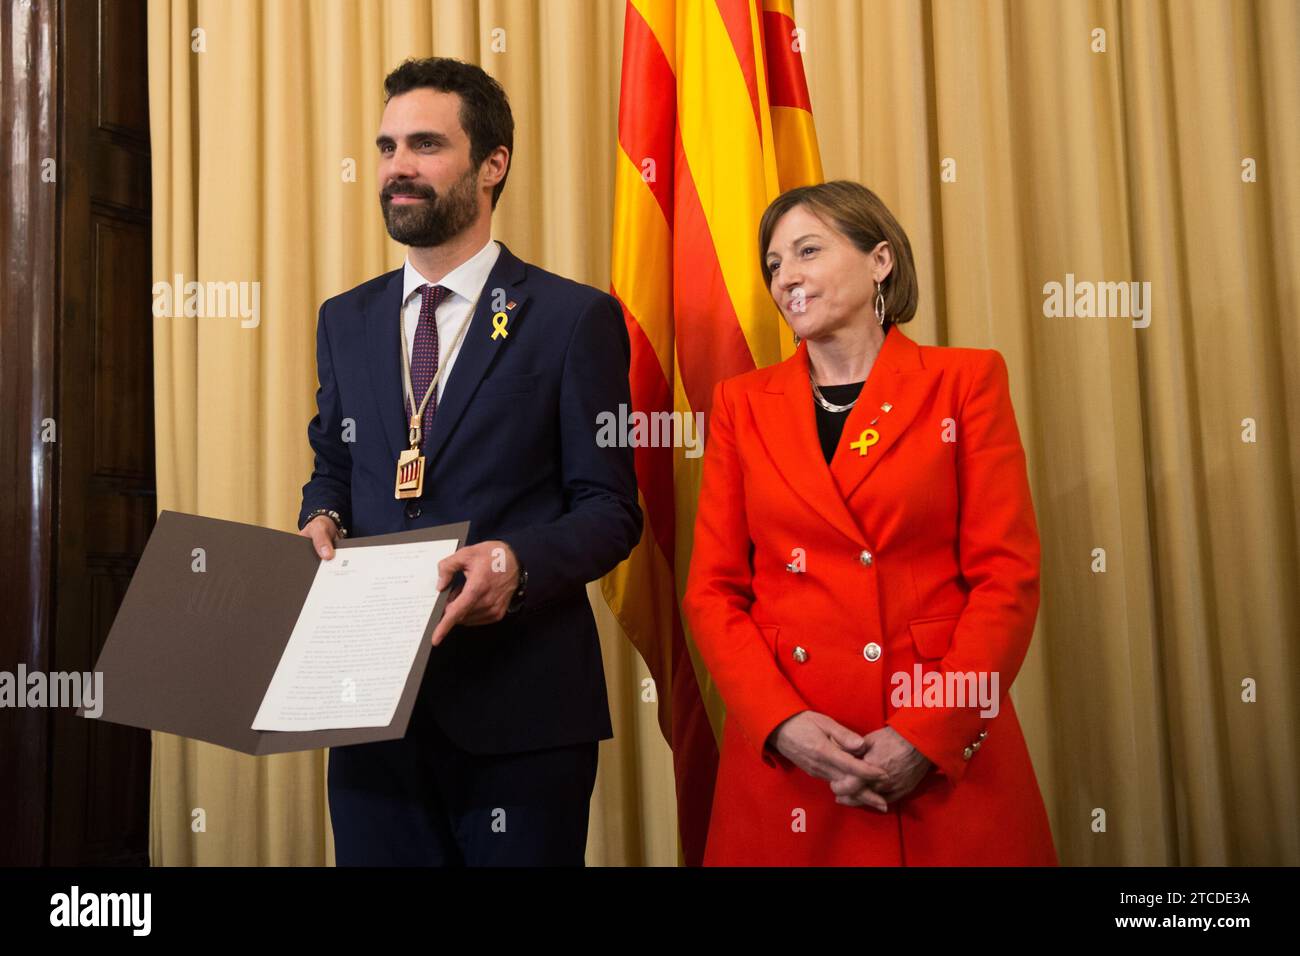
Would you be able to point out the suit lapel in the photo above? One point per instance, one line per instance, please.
(383, 322)
(787, 427)
(897, 380)
(480, 347)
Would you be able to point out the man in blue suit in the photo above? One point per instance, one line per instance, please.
(470, 382)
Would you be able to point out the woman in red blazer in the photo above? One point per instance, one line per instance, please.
(864, 579)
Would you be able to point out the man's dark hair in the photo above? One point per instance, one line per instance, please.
(484, 109)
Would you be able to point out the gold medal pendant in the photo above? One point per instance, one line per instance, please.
(410, 474)
(410, 465)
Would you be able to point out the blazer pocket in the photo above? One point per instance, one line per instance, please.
(508, 385)
(933, 635)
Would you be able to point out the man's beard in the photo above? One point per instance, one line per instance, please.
(434, 221)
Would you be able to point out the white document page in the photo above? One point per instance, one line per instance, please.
(351, 651)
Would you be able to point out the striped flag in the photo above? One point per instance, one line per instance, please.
(714, 122)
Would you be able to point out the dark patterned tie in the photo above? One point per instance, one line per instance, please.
(424, 356)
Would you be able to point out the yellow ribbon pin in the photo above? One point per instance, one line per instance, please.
(868, 438)
(499, 326)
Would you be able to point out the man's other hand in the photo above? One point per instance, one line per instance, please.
(491, 579)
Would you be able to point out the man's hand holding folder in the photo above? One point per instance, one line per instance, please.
(491, 571)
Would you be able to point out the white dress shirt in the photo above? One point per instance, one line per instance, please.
(466, 283)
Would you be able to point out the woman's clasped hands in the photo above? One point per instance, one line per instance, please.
(874, 770)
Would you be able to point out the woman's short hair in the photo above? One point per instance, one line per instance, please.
(856, 212)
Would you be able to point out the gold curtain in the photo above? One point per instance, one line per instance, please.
(1019, 143)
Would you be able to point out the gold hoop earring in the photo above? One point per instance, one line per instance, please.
(880, 304)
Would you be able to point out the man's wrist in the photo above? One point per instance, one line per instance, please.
(332, 515)
(517, 599)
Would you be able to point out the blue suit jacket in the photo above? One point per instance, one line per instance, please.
(513, 450)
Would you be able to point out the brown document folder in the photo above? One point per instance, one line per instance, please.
(193, 653)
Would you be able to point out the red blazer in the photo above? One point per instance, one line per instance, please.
(810, 587)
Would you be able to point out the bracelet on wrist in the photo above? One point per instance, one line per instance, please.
(517, 599)
(332, 515)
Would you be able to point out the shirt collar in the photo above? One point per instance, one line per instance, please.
(466, 280)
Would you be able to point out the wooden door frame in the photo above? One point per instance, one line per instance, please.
(29, 310)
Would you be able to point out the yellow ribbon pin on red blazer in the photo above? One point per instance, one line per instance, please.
(868, 438)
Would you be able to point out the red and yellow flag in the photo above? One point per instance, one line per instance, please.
(714, 122)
